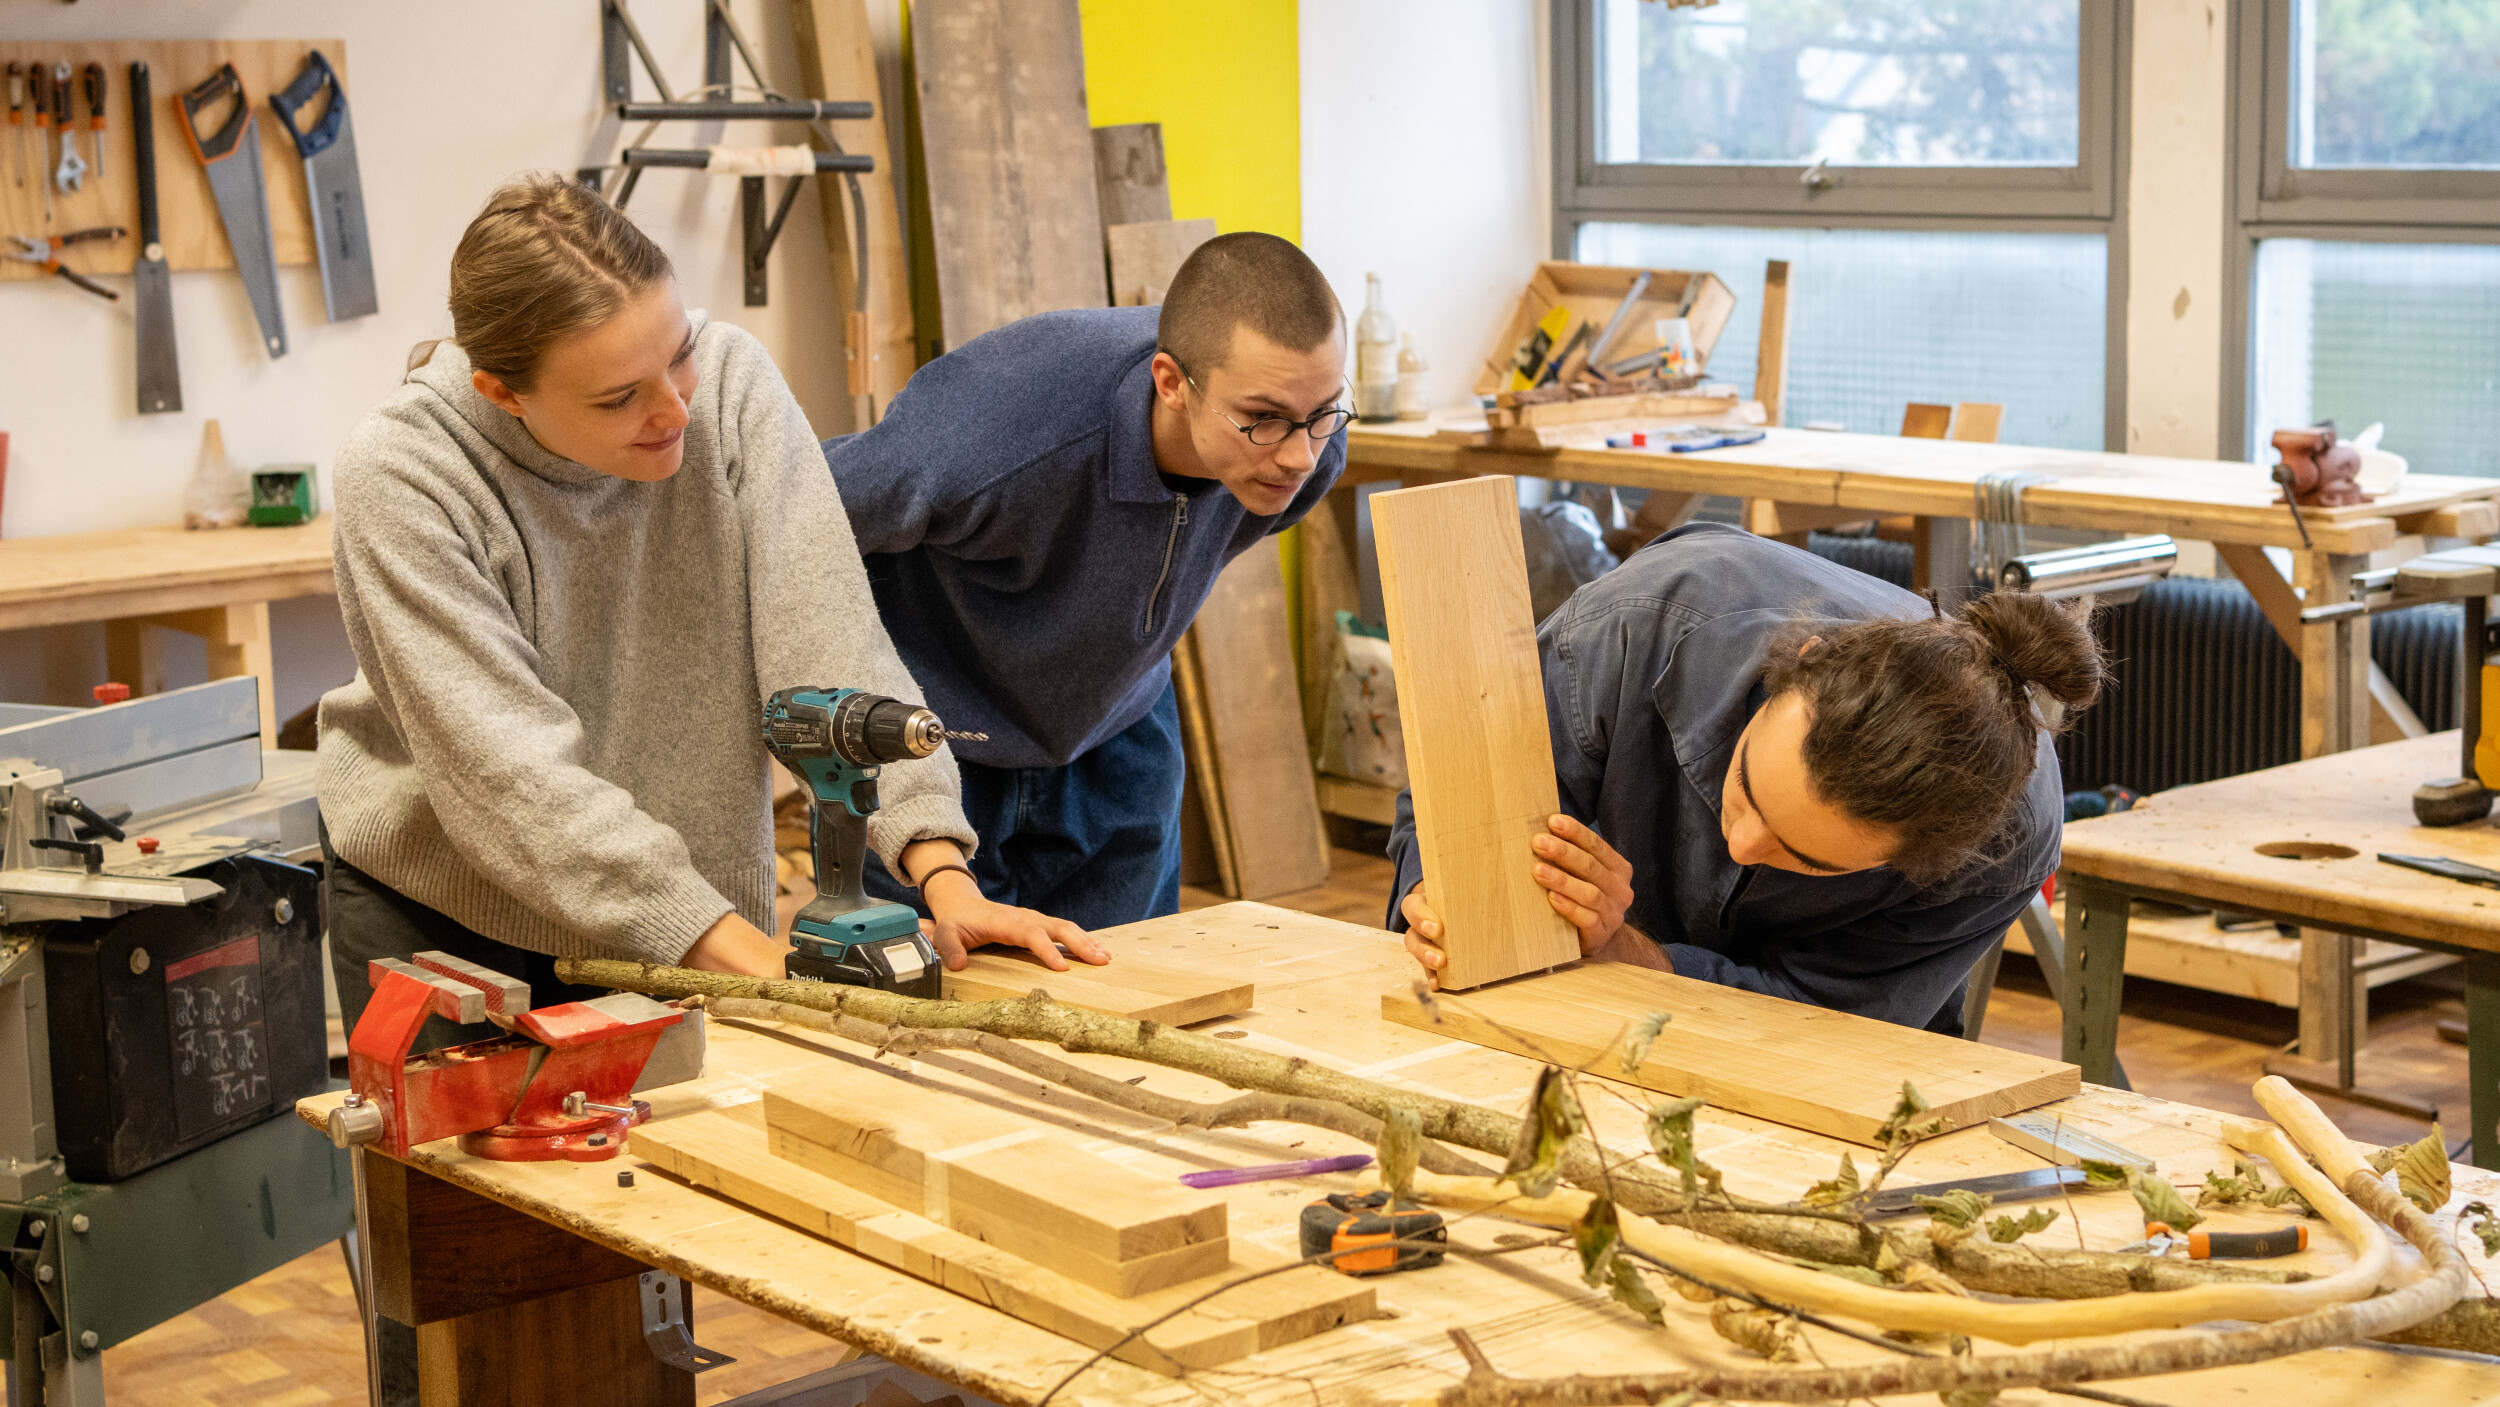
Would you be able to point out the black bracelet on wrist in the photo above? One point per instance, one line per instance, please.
(933, 871)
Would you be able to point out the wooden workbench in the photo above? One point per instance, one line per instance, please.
(217, 585)
(537, 1286)
(2200, 845)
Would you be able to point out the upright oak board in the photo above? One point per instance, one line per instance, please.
(1472, 701)
(1828, 1072)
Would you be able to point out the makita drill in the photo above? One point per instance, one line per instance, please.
(836, 740)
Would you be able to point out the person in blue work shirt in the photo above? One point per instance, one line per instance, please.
(1783, 775)
(1042, 512)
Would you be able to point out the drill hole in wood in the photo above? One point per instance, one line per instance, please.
(2306, 850)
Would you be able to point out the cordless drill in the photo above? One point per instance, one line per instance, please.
(836, 740)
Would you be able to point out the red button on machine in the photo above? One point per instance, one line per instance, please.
(147, 845)
(112, 693)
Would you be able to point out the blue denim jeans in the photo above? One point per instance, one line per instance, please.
(1096, 841)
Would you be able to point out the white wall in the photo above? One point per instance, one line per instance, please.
(450, 97)
(1424, 159)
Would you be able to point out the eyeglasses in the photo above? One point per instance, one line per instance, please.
(1271, 430)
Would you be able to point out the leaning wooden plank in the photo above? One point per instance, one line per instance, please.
(1010, 161)
(1021, 1185)
(1770, 377)
(1145, 257)
(1270, 807)
(723, 1154)
(1471, 699)
(1828, 1072)
(837, 60)
(1206, 785)
(1136, 987)
(1129, 180)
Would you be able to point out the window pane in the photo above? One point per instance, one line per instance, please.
(2396, 83)
(1870, 83)
(1880, 318)
(2356, 333)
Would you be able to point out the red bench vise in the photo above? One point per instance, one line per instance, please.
(559, 1086)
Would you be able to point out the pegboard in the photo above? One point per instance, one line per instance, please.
(194, 237)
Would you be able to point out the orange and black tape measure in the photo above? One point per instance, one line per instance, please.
(1378, 1240)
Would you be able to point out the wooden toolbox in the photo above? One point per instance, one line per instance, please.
(1593, 292)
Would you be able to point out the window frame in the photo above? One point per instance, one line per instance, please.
(2084, 198)
(2272, 199)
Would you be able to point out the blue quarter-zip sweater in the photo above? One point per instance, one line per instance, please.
(1028, 557)
(1651, 672)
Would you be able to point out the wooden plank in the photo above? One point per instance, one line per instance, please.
(502, 1357)
(729, 1156)
(1269, 808)
(1454, 578)
(1977, 421)
(1828, 1072)
(1132, 986)
(1206, 783)
(1329, 585)
(193, 235)
(2258, 963)
(2474, 520)
(1009, 158)
(838, 60)
(1770, 377)
(1130, 184)
(1358, 800)
(1144, 257)
(147, 571)
(442, 1252)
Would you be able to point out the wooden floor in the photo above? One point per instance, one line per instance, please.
(290, 1339)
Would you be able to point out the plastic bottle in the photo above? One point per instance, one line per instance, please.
(1414, 395)
(1375, 357)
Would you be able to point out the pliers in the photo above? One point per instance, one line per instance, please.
(46, 251)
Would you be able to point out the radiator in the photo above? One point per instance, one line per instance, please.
(2200, 685)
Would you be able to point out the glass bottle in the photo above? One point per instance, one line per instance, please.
(1375, 357)
(1414, 394)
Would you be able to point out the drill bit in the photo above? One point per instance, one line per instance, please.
(962, 737)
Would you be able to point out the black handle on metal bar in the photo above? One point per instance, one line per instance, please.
(723, 110)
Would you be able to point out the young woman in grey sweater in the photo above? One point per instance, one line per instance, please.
(575, 552)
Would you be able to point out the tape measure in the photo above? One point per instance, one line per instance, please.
(1346, 1222)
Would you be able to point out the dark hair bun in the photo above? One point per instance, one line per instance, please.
(2049, 645)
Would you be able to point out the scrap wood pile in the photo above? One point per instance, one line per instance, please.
(1767, 1271)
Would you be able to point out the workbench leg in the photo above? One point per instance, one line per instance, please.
(2334, 1000)
(2095, 979)
(2482, 1055)
(2334, 662)
(1940, 559)
(581, 1348)
(238, 644)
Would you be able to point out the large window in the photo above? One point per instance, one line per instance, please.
(2368, 197)
(1941, 176)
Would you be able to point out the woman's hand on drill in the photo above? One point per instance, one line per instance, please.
(967, 919)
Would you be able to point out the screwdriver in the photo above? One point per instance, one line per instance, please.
(17, 117)
(95, 111)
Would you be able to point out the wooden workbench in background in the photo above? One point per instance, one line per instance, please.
(217, 585)
(559, 1238)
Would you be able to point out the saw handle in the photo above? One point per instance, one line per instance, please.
(308, 85)
(225, 82)
(143, 144)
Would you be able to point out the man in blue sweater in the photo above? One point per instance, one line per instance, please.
(1044, 509)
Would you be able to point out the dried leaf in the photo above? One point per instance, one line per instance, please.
(1958, 1208)
(2489, 1228)
(2101, 1177)
(1623, 1280)
(2422, 1171)
(1597, 1236)
(1841, 1187)
(2006, 1230)
(1671, 1138)
(2280, 1195)
(1900, 1132)
(2243, 1184)
(1401, 1141)
(1927, 1279)
(1967, 1396)
(2162, 1202)
(1554, 1120)
(1766, 1332)
(1637, 1036)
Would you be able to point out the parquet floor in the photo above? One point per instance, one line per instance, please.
(289, 1339)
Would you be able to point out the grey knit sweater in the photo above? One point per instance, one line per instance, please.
(553, 735)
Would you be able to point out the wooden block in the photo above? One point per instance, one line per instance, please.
(1926, 422)
(1770, 376)
(2476, 519)
(1144, 257)
(1009, 160)
(1358, 800)
(1267, 804)
(194, 236)
(722, 1154)
(1131, 986)
(443, 1252)
(1129, 181)
(837, 60)
(1770, 518)
(502, 1358)
(1827, 1072)
(1978, 421)
(998, 1177)
(1471, 699)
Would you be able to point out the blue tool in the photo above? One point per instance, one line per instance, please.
(836, 741)
(1683, 439)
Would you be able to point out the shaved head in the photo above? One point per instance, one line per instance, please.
(1245, 280)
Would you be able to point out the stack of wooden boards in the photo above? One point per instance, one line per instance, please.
(1007, 1210)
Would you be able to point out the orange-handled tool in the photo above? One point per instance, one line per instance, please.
(94, 85)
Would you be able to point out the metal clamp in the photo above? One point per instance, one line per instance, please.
(579, 1105)
(664, 1326)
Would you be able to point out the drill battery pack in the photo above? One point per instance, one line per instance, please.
(1349, 1222)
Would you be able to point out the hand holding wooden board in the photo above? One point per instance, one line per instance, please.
(1471, 699)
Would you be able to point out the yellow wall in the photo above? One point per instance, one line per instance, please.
(1222, 78)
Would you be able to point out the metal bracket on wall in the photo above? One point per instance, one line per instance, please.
(621, 44)
(664, 1326)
